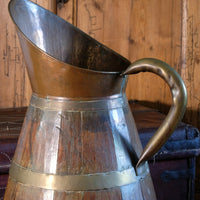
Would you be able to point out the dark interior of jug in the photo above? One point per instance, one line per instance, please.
(63, 41)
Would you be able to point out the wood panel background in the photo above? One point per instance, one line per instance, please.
(164, 29)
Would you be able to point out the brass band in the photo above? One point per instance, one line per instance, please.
(80, 182)
(65, 104)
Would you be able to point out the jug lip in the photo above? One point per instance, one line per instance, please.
(79, 30)
(73, 66)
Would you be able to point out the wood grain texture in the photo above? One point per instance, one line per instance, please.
(77, 141)
(14, 84)
(155, 31)
(67, 11)
(106, 21)
(15, 88)
(191, 59)
(191, 68)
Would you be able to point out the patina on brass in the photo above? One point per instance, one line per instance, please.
(79, 128)
(179, 101)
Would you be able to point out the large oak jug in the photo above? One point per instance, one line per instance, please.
(79, 140)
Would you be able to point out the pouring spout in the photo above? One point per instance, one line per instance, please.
(61, 40)
(79, 66)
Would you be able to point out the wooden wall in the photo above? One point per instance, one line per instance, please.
(164, 29)
(167, 30)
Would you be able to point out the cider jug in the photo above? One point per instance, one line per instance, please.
(79, 140)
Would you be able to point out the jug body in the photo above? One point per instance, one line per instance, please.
(79, 150)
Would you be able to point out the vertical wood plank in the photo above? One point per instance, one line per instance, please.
(67, 11)
(15, 90)
(106, 21)
(14, 84)
(191, 68)
(52, 6)
(155, 31)
(44, 3)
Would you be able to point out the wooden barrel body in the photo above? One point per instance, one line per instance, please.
(78, 150)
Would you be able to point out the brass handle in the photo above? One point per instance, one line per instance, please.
(179, 97)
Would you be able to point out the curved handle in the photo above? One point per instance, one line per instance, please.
(179, 97)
